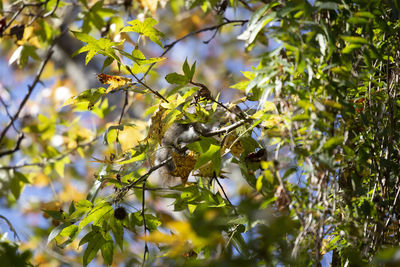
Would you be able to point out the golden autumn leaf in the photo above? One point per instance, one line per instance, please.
(131, 136)
(233, 143)
(115, 82)
(151, 5)
(183, 239)
(207, 171)
(157, 126)
(71, 193)
(184, 164)
(52, 205)
(273, 120)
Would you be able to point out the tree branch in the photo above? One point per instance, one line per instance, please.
(146, 248)
(30, 90)
(168, 47)
(211, 28)
(16, 148)
(145, 85)
(11, 227)
(42, 164)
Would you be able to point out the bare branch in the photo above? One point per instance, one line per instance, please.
(28, 94)
(16, 148)
(211, 28)
(225, 195)
(145, 85)
(168, 47)
(11, 227)
(146, 248)
(42, 164)
(226, 129)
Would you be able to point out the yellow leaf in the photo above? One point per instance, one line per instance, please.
(233, 143)
(272, 121)
(115, 82)
(41, 180)
(184, 165)
(130, 136)
(183, 239)
(157, 126)
(70, 193)
(151, 5)
(29, 38)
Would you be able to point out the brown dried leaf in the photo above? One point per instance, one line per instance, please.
(157, 126)
(115, 82)
(184, 164)
(282, 198)
(233, 144)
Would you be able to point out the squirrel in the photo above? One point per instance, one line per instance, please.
(179, 135)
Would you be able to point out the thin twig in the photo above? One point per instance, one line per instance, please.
(169, 46)
(23, 6)
(16, 148)
(225, 195)
(11, 227)
(30, 90)
(124, 107)
(226, 129)
(145, 85)
(146, 248)
(52, 160)
(8, 113)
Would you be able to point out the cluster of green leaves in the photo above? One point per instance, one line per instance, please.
(318, 149)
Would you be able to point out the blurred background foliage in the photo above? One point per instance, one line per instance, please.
(291, 108)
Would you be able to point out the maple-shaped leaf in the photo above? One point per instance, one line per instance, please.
(184, 165)
(145, 28)
(94, 46)
(115, 82)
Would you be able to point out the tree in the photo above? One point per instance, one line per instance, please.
(149, 147)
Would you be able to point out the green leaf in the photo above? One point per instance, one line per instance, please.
(60, 164)
(59, 215)
(354, 39)
(175, 78)
(152, 222)
(145, 28)
(95, 241)
(97, 214)
(94, 46)
(186, 70)
(118, 231)
(139, 157)
(326, 5)
(257, 22)
(209, 150)
(56, 231)
(70, 231)
(107, 250)
(140, 59)
(81, 207)
(333, 142)
(89, 97)
(17, 184)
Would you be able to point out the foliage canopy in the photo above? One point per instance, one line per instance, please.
(200, 132)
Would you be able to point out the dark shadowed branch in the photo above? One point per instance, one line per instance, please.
(52, 160)
(28, 94)
(11, 227)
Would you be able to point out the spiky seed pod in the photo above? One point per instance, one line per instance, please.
(120, 213)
